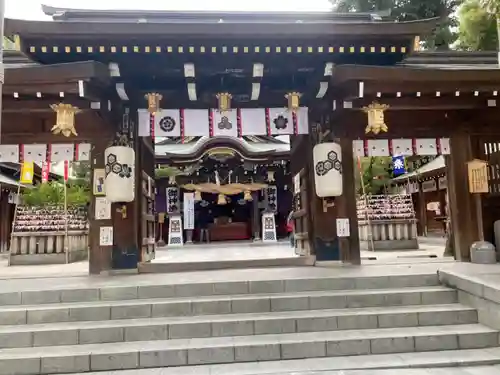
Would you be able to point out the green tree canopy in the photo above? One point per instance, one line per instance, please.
(409, 10)
(375, 173)
(477, 28)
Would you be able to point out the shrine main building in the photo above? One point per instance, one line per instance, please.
(340, 86)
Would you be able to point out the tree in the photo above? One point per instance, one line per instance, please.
(409, 10)
(375, 173)
(493, 8)
(477, 29)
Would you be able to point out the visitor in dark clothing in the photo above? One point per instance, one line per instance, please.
(203, 223)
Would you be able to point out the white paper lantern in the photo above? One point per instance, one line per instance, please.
(120, 174)
(328, 169)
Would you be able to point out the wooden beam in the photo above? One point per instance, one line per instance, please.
(371, 88)
(41, 105)
(434, 103)
(412, 74)
(56, 73)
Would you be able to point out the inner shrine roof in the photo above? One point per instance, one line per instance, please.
(70, 23)
(247, 147)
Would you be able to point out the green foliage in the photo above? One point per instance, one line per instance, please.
(166, 172)
(376, 173)
(52, 193)
(409, 10)
(477, 28)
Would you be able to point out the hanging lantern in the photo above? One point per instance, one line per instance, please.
(154, 100)
(65, 120)
(197, 196)
(221, 199)
(376, 122)
(247, 196)
(224, 102)
(327, 159)
(293, 101)
(120, 174)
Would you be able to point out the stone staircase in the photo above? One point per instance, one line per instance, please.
(255, 327)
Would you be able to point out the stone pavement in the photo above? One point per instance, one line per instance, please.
(218, 252)
(477, 370)
(64, 281)
(214, 252)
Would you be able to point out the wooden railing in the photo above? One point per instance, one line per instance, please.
(48, 247)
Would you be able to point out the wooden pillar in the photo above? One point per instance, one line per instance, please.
(127, 217)
(255, 216)
(346, 206)
(322, 232)
(99, 257)
(463, 210)
(422, 211)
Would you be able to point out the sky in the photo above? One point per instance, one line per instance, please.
(31, 9)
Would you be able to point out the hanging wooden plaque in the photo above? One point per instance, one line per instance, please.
(477, 171)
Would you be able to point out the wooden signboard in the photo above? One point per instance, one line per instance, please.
(477, 171)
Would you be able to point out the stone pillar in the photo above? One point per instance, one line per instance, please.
(346, 205)
(255, 216)
(189, 236)
(464, 212)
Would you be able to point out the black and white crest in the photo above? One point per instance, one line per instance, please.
(280, 122)
(225, 123)
(167, 124)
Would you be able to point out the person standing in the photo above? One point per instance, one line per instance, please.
(290, 227)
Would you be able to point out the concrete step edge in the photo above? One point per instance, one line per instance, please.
(216, 298)
(107, 357)
(165, 329)
(240, 317)
(408, 361)
(164, 290)
(99, 311)
(241, 341)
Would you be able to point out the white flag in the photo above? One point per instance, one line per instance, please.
(253, 121)
(225, 123)
(144, 123)
(167, 123)
(196, 122)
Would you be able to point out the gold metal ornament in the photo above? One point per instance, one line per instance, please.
(248, 195)
(154, 100)
(224, 102)
(376, 121)
(221, 199)
(197, 196)
(293, 101)
(65, 120)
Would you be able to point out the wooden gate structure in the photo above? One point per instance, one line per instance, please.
(105, 62)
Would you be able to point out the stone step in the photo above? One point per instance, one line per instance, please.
(146, 291)
(226, 304)
(376, 364)
(126, 330)
(171, 267)
(202, 351)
